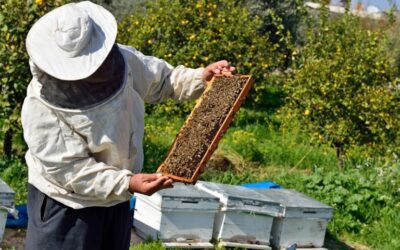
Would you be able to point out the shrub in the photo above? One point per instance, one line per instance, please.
(14, 172)
(196, 33)
(343, 87)
(287, 13)
(16, 18)
(365, 198)
(121, 8)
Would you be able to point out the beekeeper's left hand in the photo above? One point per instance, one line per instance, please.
(220, 67)
(149, 183)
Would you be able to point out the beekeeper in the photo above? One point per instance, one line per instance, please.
(83, 121)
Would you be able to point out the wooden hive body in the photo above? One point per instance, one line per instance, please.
(179, 215)
(245, 217)
(303, 220)
(221, 115)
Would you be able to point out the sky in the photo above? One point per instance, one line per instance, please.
(381, 4)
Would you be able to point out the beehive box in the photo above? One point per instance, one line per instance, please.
(181, 216)
(303, 220)
(6, 204)
(245, 216)
(199, 136)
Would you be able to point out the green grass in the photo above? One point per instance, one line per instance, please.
(364, 194)
(159, 135)
(14, 172)
(155, 245)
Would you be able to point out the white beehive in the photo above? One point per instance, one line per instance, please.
(180, 216)
(245, 216)
(6, 205)
(303, 221)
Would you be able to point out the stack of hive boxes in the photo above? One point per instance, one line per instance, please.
(191, 216)
(180, 217)
(6, 205)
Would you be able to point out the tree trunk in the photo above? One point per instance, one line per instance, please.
(7, 146)
(339, 156)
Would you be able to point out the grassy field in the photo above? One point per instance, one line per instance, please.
(364, 193)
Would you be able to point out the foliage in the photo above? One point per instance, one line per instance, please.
(247, 140)
(14, 172)
(160, 132)
(288, 14)
(353, 195)
(196, 33)
(15, 23)
(149, 245)
(393, 43)
(364, 194)
(121, 8)
(364, 199)
(343, 86)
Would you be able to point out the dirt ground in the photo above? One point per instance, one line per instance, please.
(15, 239)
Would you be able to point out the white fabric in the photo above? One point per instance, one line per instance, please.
(85, 158)
(72, 41)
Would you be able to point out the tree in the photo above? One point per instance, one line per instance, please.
(274, 13)
(16, 18)
(344, 3)
(121, 8)
(195, 33)
(343, 86)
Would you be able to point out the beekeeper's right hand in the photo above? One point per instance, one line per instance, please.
(149, 183)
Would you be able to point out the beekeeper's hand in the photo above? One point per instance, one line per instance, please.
(220, 67)
(149, 183)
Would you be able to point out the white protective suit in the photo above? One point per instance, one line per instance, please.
(85, 158)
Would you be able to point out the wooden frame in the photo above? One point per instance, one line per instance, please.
(224, 126)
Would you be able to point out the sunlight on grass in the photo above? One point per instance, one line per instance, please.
(263, 151)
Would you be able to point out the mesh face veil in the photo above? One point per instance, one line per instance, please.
(102, 84)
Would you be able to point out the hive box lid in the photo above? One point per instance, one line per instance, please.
(6, 195)
(241, 198)
(181, 196)
(296, 204)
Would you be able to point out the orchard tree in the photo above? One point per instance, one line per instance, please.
(343, 86)
(196, 33)
(16, 18)
(280, 18)
(121, 8)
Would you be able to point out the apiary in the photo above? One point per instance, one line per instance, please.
(6, 205)
(245, 216)
(182, 216)
(199, 136)
(303, 220)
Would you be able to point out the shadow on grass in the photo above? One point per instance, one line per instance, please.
(333, 243)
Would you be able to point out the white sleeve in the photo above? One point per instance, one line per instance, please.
(62, 157)
(155, 80)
